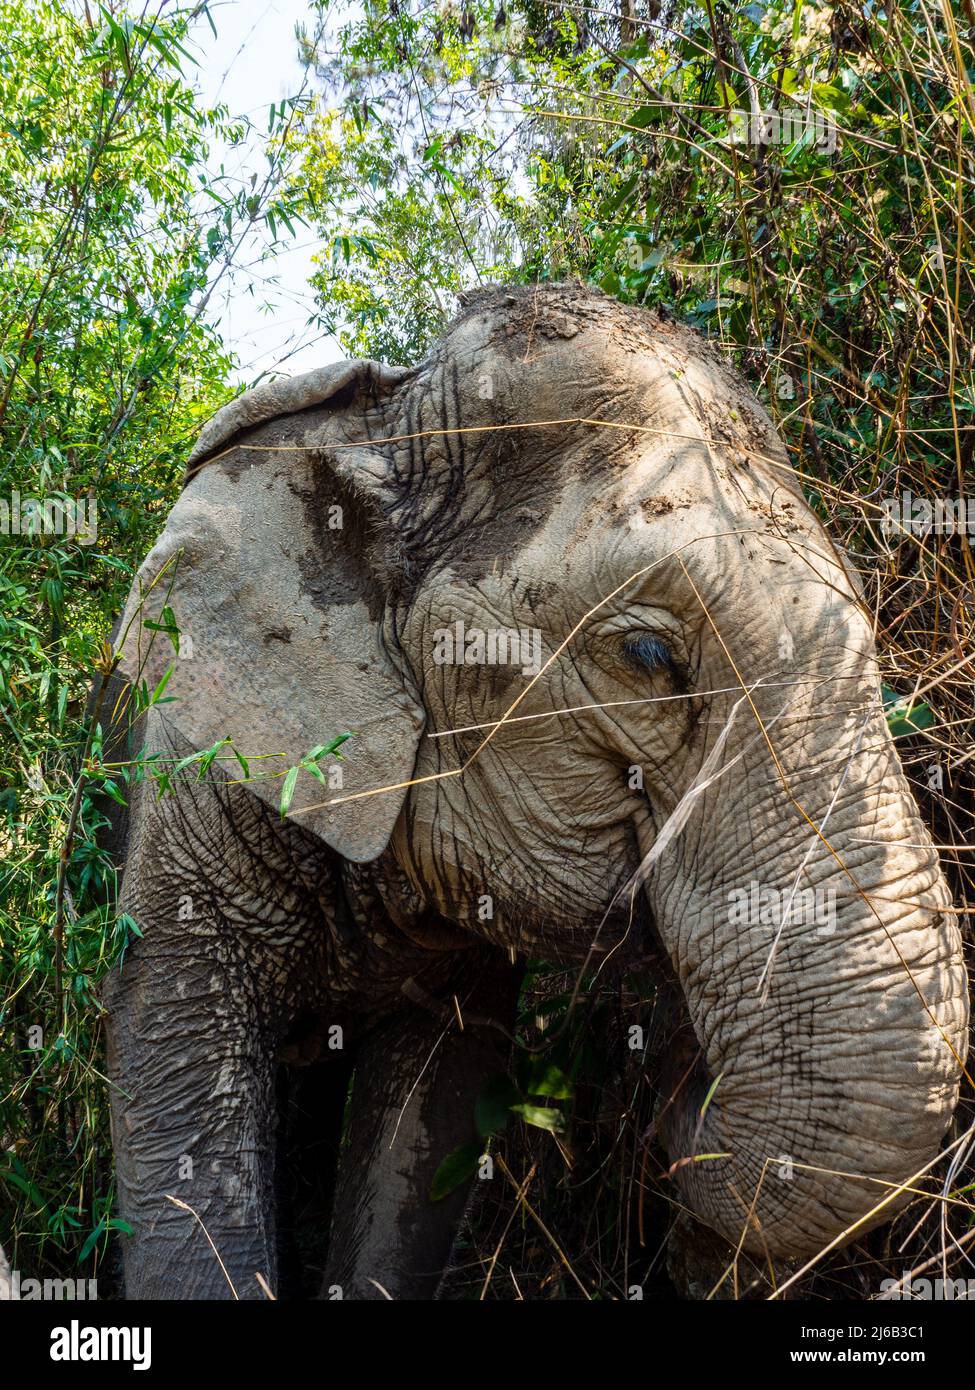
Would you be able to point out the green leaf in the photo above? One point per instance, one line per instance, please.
(92, 1241)
(647, 115)
(158, 692)
(710, 1095)
(322, 750)
(206, 759)
(614, 203)
(458, 1167)
(170, 626)
(24, 1184)
(128, 924)
(546, 1079)
(111, 790)
(903, 718)
(288, 791)
(492, 1109)
(184, 762)
(542, 1117)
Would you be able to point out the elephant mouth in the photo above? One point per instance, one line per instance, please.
(567, 932)
(628, 926)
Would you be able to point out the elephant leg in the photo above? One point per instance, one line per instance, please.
(196, 1013)
(417, 1077)
(192, 1124)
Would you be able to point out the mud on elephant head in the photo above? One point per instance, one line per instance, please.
(606, 671)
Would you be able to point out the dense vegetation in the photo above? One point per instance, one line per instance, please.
(638, 146)
(114, 236)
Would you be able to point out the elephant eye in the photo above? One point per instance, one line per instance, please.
(648, 652)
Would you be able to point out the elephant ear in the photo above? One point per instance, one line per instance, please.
(275, 564)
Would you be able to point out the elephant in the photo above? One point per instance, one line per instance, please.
(533, 650)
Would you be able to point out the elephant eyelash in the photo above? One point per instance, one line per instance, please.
(649, 652)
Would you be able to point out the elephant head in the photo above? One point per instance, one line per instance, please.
(608, 680)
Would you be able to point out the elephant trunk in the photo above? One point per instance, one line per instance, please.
(826, 991)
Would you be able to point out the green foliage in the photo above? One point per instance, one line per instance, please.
(413, 196)
(904, 716)
(114, 235)
(457, 1168)
(502, 1099)
(452, 147)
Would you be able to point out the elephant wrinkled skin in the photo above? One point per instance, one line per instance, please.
(692, 750)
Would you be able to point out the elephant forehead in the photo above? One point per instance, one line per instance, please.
(750, 562)
(574, 353)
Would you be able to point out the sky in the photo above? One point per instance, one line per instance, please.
(253, 62)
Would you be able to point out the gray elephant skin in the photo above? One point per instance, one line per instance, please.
(685, 745)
